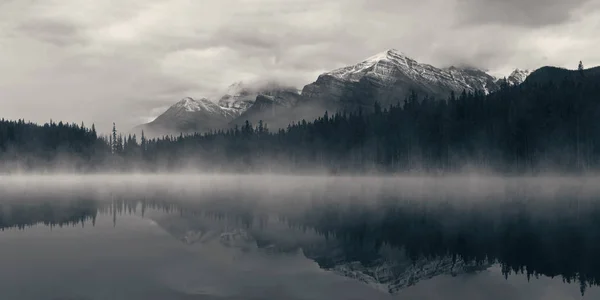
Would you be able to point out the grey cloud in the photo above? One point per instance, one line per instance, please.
(526, 13)
(52, 31)
(484, 48)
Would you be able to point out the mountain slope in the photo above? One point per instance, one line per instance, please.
(240, 103)
(388, 77)
(238, 96)
(518, 76)
(272, 107)
(474, 79)
(189, 116)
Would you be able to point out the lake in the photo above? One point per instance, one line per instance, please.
(190, 236)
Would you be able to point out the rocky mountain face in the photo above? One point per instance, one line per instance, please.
(271, 107)
(240, 103)
(189, 116)
(517, 76)
(387, 77)
(238, 97)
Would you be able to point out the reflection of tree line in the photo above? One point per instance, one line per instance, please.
(558, 238)
(552, 239)
(60, 213)
(22, 215)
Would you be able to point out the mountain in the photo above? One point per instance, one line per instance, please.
(272, 107)
(475, 79)
(388, 77)
(517, 77)
(241, 96)
(189, 116)
(201, 115)
(238, 96)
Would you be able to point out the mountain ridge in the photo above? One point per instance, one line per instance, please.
(386, 77)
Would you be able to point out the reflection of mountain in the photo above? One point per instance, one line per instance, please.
(384, 269)
(188, 230)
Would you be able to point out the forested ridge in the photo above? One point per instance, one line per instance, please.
(534, 127)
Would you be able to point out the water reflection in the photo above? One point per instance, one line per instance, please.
(395, 241)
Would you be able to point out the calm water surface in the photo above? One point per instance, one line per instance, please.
(269, 237)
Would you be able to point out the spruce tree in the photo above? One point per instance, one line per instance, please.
(114, 146)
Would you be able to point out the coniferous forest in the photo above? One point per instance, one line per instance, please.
(539, 126)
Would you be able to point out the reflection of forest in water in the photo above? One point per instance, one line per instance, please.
(394, 239)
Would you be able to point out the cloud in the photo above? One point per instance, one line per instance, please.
(123, 61)
(51, 31)
(529, 13)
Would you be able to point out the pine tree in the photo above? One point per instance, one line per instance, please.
(114, 146)
(120, 144)
(143, 141)
(260, 128)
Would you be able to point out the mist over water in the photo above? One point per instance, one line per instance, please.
(210, 236)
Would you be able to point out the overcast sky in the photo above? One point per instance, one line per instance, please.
(125, 60)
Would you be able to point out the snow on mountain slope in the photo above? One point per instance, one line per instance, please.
(189, 116)
(271, 107)
(200, 115)
(386, 66)
(475, 79)
(388, 77)
(189, 109)
(241, 96)
(238, 96)
(189, 105)
(518, 76)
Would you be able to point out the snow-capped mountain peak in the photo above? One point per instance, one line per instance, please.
(388, 76)
(518, 76)
(191, 105)
(188, 109)
(390, 54)
(356, 72)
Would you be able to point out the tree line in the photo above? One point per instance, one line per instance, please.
(529, 128)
